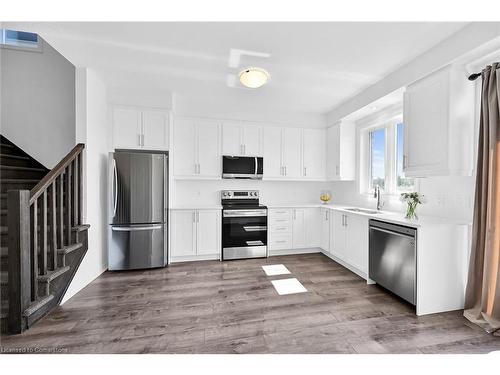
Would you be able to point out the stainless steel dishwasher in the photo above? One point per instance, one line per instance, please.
(393, 258)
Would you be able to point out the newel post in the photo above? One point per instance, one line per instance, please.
(19, 257)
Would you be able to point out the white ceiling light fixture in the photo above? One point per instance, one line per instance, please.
(254, 78)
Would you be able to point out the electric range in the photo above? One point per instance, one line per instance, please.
(244, 225)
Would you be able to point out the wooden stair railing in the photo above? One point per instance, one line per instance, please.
(41, 223)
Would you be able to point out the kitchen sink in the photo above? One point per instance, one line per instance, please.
(363, 210)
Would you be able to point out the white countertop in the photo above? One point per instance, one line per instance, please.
(196, 207)
(388, 216)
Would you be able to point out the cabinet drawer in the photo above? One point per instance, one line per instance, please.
(280, 221)
(278, 229)
(280, 216)
(279, 242)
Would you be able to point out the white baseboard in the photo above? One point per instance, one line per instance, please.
(311, 250)
(194, 258)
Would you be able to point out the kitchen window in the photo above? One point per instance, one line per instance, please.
(20, 40)
(377, 158)
(382, 157)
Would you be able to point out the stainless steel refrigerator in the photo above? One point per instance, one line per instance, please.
(138, 208)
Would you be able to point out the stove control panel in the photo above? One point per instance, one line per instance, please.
(239, 194)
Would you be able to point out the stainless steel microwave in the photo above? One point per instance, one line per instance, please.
(246, 167)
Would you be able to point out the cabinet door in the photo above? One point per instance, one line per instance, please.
(272, 152)
(155, 130)
(232, 143)
(252, 141)
(184, 145)
(183, 241)
(209, 158)
(333, 153)
(209, 232)
(337, 235)
(126, 128)
(325, 229)
(313, 226)
(292, 152)
(425, 114)
(314, 153)
(357, 241)
(299, 228)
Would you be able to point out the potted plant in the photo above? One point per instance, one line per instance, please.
(412, 200)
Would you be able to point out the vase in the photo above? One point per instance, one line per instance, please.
(411, 211)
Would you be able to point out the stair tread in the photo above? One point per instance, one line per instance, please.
(68, 249)
(17, 168)
(10, 156)
(4, 251)
(4, 278)
(36, 305)
(20, 180)
(3, 211)
(3, 229)
(51, 275)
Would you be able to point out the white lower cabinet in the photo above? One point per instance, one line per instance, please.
(195, 235)
(325, 229)
(294, 228)
(349, 239)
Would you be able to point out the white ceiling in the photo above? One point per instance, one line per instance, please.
(314, 66)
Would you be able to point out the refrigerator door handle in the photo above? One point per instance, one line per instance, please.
(134, 229)
(115, 192)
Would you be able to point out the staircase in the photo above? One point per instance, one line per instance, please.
(43, 240)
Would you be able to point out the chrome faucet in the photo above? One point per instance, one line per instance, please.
(376, 194)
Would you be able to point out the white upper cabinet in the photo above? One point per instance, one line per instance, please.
(140, 129)
(196, 148)
(292, 152)
(209, 157)
(272, 152)
(155, 130)
(241, 139)
(126, 128)
(314, 155)
(341, 152)
(185, 146)
(439, 123)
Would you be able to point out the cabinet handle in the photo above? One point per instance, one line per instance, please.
(285, 169)
(326, 215)
(244, 149)
(294, 214)
(138, 139)
(305, 171)
(280, 241)
(197, 216)
(194, 216)
(337, 170)
(345, 220)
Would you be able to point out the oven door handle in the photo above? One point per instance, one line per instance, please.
(255, 243)
(255, 228)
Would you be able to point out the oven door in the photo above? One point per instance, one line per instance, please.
(244, 167)
(244, 234)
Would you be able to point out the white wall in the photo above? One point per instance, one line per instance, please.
(474, 39)
(92, 129)
(38, 102)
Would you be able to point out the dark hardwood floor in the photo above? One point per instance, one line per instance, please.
(232, 307)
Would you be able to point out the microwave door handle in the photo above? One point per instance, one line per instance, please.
(256, 166)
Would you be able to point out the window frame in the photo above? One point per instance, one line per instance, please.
(387, 120)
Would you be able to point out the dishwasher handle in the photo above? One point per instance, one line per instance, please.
(393, 228)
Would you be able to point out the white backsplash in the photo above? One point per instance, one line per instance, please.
(451, 197)
(194, 192)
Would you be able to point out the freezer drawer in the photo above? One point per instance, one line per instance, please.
(392, 258)
(137, 246)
